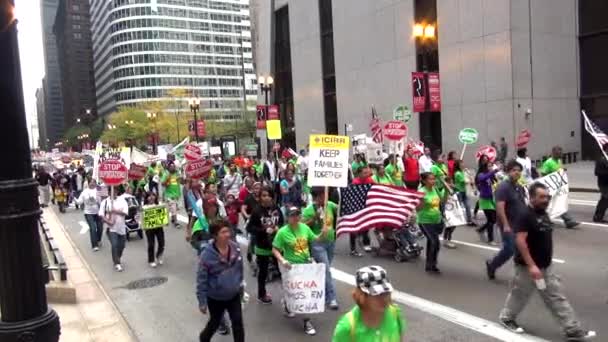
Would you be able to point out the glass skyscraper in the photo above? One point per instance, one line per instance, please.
(143, 49)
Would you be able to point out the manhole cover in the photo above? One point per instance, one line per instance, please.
(146, 283)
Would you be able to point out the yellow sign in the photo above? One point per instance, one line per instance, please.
(273, 129)
(154, 216)
(339, 142)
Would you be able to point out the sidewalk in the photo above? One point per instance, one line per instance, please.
(94, 318)
(581, 177)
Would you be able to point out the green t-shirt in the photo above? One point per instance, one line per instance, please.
(395, 173)
(259, 169)
(440, 171)
(172, 189)
(460, 181)
(356, 166)
(330, 214)
(294, 245)
(430, 213)
(351, 327)
(550, 165)
(387, 180)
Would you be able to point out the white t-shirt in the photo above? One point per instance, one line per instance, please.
(89, 198)
(236, 186)
(526, 173)
(425, 164)
(221, 209)
(119, 204)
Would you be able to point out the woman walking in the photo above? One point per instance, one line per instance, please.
(430, 220)
(113, 212)
(88, 197)
(219, 282)
(374, 317)
(460, 186)
(156, 234)
(484, 180)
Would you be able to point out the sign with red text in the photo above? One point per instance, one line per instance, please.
(434, 91)
(113, 172)
(192, 152)
(304, 288)
(328, 160)
(198, 169)
(260, 112)
(273, 112)
(418, 92)
(395, 130)
(136, 172)
(523, 138)
(487, 151)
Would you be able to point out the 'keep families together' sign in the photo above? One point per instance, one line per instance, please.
(328, 164)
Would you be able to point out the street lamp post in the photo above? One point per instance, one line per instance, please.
(266, 86)
(24, 312)
(194, 107)
(152, 116)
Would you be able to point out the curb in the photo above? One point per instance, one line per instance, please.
(587, 190)
(123, 321)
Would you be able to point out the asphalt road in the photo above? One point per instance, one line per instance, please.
(459, 305)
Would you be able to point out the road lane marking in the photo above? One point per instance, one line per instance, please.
(590, 224)
(84, 227)
(447, 313)
(491, 248)
(582, 202)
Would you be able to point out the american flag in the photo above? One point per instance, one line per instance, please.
(376, 127)
(368, 206)
(595, 131)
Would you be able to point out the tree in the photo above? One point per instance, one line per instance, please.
(128, 125)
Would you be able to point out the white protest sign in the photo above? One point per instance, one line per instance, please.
(374, 153)
(204, 146)
(454, 212)
(328, 160)
(215, 150)
(557, 183)
(398, 147)
(304, 288)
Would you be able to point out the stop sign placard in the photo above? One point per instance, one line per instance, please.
(395, 130)
(488, 151)
(523, 138)
(198, 168)
(113, 172)
(192, 152)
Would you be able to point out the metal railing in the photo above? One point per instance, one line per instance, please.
(58, 262)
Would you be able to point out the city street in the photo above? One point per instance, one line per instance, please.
(469, 303)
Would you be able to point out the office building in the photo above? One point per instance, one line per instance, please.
(40, 107)
(53, 102)
(73, 33)
(503, 66)
(145, 48)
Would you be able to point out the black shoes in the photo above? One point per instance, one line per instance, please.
(432, 270)
(580, 335)
(489, 271)
(511, 325)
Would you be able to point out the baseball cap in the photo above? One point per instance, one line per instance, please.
(373, 280)
(293, 211)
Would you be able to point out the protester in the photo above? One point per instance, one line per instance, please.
(291, 245)
(393, 170)
(219, 282)
(363, 177)
(270, 169)
(380, 176)
(460, 186)
(89, 199)
(374, 317)
(317, 216)
(291, 191)
(233, 209)
(76, 184)
(484, 179)
(554, 164)
(503, 151)
(601, 172)
(439, 170)
(357, 163)
(171, 181)
(411, 170)
(448, 231)
(510, 201)
(232, 181)
(154, 234)
(113, 212)
(526, 164)
(43, 179)
(152, 175)
(430, 220)
(265, 221)
(425, 161)
(450, 162)
(533, 270)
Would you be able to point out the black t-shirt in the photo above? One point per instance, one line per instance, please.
(43, 179)
(262, 218)
(251, 203)
(514, 197)
(540, 240)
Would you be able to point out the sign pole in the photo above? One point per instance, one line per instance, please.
(464, 147)
(325, 206)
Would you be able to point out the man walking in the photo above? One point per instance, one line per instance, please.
(510, 200)
(533, 270)
(554, 164)
(43, 179)
(601, 172)
(171, 181)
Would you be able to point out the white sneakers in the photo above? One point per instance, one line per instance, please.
(95, 249)
(118, 268)
(153, 264)
(159, 261)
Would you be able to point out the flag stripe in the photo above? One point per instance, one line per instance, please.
(363, 219)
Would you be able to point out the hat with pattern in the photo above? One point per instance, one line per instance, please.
(373, 280)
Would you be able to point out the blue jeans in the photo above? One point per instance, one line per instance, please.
(95, 229)
(462, 197)
(506, 252)
(323, 252)
(118, 246)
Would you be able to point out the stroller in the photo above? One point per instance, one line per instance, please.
(401, 243)
(132, 218)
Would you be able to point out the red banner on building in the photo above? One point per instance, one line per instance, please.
(434, 91)
(418, 92)
(200, 128)
(260, 111)
(273, 112)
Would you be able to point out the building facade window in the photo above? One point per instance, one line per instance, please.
(330, 106)
(283, 89)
